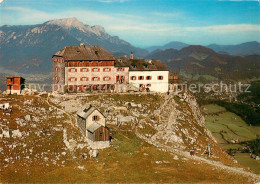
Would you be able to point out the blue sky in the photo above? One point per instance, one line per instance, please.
(148, 22)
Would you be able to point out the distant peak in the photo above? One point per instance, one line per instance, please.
(67, 22)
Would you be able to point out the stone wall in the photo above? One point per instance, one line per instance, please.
(81, 124)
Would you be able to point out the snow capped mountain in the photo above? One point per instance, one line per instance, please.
(24, 46)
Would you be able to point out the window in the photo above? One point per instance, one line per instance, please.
(85, 87)
(95, 78)
(95, 69)
(56, 68)
(73, 79)
(160, 77)
(133, 77)
(84, 70)
(101, 134)
(148, 77)
(72, 70)
(106, 69)
(107, 78)
(57, 78)
(95, 118)
(148, 85)
(141, 77)
(120, 69)
(84, 79)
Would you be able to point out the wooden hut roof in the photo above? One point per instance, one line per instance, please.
(95, 53)
(93, 127)
(87, 112)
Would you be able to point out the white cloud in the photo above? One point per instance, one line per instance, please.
(1, 1)
(224, 29)
(136, 28)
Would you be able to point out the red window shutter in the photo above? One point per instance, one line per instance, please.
(110, 69)
(157, 77)
(118, 69)
(98, 118)
(99, 79)
(104, 78)
(104, 69)
(92, 70)
(109, 78)
(92, 118)
(123, 69)
(69, 79)
(80, 78)
(87, 70)
(81, 70)
(87, 79)
(70, 70)
(75, 78)
(99, 69)
(162, 77)
(75, 69)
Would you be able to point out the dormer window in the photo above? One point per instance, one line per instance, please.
(134, 66)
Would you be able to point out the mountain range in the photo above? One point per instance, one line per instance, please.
(201, 63)
(248, 48)
(30, 48)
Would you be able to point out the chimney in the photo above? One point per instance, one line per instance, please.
(132, 55)
(82, 45)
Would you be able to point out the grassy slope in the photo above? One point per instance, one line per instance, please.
(129, 159)
(225, 126)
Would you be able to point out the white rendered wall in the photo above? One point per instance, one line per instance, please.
(156, 85)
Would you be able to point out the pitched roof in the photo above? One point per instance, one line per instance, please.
(84, 53)
(142, 65)
(87, 112)
(93, 127)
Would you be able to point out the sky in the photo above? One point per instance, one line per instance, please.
(145, 23)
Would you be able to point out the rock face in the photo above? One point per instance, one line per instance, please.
(180, 125)
(30, 48)
(175, 120)
(44, 133)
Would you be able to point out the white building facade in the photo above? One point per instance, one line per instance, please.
(155, 81)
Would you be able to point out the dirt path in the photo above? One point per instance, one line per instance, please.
(219, 165)
(72, 119)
